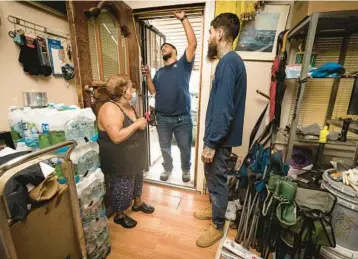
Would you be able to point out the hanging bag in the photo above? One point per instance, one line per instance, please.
(46, 190)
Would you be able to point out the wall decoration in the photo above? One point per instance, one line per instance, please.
(243, 9)
(56, 55)
(258, 35)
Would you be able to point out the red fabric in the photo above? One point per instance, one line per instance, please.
(273, 87)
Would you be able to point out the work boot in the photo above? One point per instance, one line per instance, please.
(204, 214)
(210, 236)
(186, 176)
(165, 175)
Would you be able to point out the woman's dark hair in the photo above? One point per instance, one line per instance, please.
(117, 85)
(229, 23)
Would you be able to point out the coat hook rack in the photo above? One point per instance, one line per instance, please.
(37, 28)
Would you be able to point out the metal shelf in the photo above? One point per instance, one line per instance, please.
(353, 127)
(330, 24)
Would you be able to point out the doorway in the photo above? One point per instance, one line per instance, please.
(110, 42)
(159, 27)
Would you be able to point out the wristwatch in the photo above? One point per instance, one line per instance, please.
(184, 17)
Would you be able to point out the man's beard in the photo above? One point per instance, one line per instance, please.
(167, 56)
(212, 52)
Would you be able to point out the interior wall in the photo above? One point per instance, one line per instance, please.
(13, 80)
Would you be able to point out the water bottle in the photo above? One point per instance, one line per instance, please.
(88, 162)
(45, 136)
(96, 209)
(89, 229)
(102, 236)
(90, 247)
(97, 184)
(80, 129)
(85, 159)
(84, 193)
(92, 130)
(15, 123)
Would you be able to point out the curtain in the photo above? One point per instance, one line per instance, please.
(240, 8)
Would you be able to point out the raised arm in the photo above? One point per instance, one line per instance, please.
(190, 36)
(151, 85)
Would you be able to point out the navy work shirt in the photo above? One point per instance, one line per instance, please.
(171, 82)
(226, 109)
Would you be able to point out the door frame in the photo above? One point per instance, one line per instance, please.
(208, 9)
(78, 15)
(144, 28)
(81, 56)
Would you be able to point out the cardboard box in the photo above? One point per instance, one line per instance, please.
(302, 9)
(48, 232)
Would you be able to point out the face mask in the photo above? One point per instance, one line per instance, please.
(134, 99)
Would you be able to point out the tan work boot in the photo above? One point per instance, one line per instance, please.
(204, 214)
(210, 236)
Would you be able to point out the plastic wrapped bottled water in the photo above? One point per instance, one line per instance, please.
(82, 128)
(103, 236)
(85, 158)
(33, 129)
(84, 193)
(90, 189)
(97, 186)
(29, 129)
(15, 122)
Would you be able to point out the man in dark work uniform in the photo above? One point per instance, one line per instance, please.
(172, 101)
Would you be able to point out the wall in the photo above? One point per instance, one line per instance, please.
(13, 80)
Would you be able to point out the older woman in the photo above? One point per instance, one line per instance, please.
(122, 149)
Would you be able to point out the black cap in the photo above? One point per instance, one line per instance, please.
(166, 43)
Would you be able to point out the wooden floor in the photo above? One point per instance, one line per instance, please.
(170, 232)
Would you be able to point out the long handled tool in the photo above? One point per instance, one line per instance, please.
(242, 218)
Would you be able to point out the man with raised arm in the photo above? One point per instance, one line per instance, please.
(172, 100)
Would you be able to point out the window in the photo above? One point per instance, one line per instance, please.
(108, 47)
(317, 92)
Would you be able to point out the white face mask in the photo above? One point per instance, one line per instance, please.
(134, 99)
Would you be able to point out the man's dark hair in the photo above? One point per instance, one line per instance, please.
(229, 23)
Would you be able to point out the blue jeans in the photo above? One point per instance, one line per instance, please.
(182, 127)
(216, 180)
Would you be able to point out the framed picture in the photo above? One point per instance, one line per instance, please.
(258, 37)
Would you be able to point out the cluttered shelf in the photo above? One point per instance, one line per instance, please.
(352, 127)
(348, 143)
(322, 78)
(330, 70)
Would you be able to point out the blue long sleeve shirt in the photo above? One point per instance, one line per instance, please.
(226, 109)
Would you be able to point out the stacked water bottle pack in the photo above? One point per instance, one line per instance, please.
(34, 129)
(95, 223)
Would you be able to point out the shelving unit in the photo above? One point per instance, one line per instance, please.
(320, 25)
